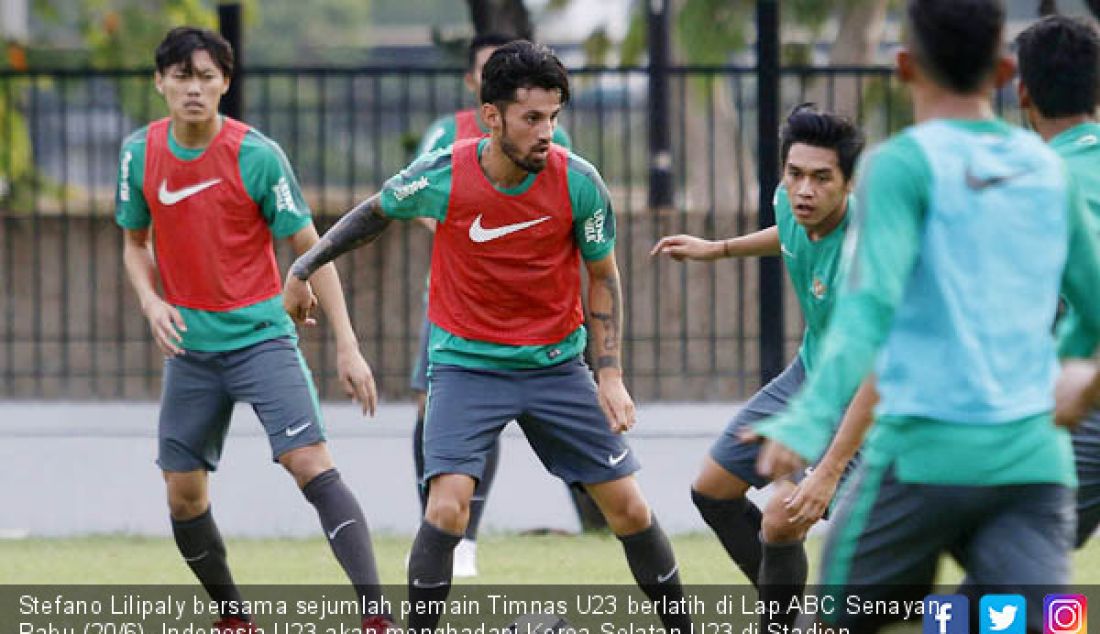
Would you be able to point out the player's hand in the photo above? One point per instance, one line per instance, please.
(356, 378)
(299, 301)
(166, 323)
(1076, 391)
(775, 460)
(811, 497)
(615, 402)
(684, 247)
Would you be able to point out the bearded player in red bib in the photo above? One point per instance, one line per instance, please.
(216, 193)
(517, 215)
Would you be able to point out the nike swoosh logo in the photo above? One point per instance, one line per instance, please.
(294, 431)
(332, 533)
(615, 460)
(420, 584)
(170, 198)
(978, 184)
(664, 578)
(197, 557)
(787, 252)
(481, 234)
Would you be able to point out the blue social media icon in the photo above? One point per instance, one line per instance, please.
(1003, 614)
(946, 614)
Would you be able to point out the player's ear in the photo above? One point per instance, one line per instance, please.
(491, 115)
(1004, 71)
(158, 81)
(905, 63)
(1023, 95)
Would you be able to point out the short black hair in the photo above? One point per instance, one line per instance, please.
(485, 40)
(182, 42)
(957, 42)
(1060, 65)
(806, 124)
(521, 64)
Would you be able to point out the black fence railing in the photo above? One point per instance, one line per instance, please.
(70, 327)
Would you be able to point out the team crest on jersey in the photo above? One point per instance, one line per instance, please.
(818, 288)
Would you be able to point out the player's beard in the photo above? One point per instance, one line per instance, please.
(512, 151)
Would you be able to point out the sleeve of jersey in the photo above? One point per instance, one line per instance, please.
(1079, 332)
(439, 135)
(880, 251)
(270, 182)
(421, 190)
(131, 210)
(593, 216)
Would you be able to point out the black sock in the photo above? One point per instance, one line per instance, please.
(430, 564)
(736, 522)
(201, 545)
(418, 461)
(783, 572)
(654, 566)
(347, 532)
(481, 493)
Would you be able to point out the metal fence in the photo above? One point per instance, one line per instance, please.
(70, 326)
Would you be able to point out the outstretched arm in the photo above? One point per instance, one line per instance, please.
(684, 247)
(605, 308)
(365, 222)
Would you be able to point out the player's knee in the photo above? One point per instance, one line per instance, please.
(776, 526)
(306, 463)
(185, 505)
(629, 516)
(448, 513)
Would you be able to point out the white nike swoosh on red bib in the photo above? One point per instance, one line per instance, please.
(481, 234)
(167, 197)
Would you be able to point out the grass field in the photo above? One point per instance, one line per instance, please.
(502, 559)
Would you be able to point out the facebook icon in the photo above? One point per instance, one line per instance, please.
(946, 614)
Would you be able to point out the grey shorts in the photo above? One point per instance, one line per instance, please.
(418, 379)
(556, 408)
(1086, 455)
(200, 389)
(739, 458)
(887, 538)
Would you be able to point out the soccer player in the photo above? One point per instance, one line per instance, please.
(1059, 60)
(812, 205)
(215, 193)
(952, 272)
(464, 124)
(517, 214)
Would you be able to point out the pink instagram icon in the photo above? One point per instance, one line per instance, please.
(1065, 614)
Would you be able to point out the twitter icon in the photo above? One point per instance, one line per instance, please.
(1003, 614)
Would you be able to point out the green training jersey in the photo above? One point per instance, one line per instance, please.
(423, 190)
(1080, 147)
(813, 267)
(268, 178)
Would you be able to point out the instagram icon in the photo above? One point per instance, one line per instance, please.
(1065, 614)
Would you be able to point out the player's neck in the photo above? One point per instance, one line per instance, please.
(195, 135)
(933, 102)
(1050, 128)
(501, 171)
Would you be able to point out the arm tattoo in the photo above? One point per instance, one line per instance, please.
(610, 323)
(360, 226)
